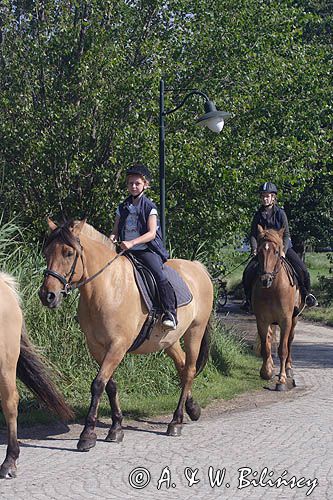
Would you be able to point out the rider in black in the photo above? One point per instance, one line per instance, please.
(271, 216)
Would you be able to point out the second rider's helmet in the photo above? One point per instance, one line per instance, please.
(139, 169)
(268, 187)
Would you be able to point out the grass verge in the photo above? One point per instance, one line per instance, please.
(148, 385)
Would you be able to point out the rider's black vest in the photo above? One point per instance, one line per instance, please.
(144, 208)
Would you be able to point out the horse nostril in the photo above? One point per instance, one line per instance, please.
(50, 297)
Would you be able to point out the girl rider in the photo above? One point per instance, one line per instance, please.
(271, 216)
(136, 226)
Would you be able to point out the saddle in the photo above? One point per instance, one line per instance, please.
(149, 292)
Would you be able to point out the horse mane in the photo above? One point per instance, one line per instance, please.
(270, 235)
(95, 235)
(65, 234)
(11, 282)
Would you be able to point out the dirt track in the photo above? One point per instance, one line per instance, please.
(239, 439)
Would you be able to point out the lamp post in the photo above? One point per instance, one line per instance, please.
(213, 119)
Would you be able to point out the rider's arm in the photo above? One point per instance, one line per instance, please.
(253, 234)
(286, 234)
(114, 234)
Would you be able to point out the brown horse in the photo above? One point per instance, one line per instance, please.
(111, 313)
(18, 357)
(275, 300)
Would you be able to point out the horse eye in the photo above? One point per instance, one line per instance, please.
(69, 253)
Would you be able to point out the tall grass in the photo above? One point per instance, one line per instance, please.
(147, 383)
(320, 268)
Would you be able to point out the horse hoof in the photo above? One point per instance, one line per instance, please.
(85, 444)
(115, 436)
(174, 430)
(193, 410)
(7, 472)
(289, 373)
(281, 387)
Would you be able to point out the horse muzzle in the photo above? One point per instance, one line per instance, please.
(50, 299)
(266, 280)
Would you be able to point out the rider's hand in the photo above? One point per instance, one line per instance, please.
(126, 245)
(113, 238)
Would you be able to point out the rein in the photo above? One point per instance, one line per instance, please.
(275, 271)
(68, 285)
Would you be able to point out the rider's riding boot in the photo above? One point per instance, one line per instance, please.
(310, 300)
(169, 320)
(168, 302)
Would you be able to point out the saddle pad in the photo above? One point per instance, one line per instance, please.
(182, 292)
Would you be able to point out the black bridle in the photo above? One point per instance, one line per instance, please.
(69, 286)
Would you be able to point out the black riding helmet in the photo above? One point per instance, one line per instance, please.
(139, 169)
(268, 187)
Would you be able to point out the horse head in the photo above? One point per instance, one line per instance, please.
(270, 251)
(63, 252)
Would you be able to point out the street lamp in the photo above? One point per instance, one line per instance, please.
(213, 119)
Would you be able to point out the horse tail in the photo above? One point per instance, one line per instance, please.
(32, 371)
(204, 349)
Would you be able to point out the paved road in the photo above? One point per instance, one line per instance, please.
(251, 441)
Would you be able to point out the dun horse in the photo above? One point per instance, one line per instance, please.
(275, 300)
(111, 314)
(17, 357)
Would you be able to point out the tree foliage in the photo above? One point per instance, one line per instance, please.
(79, 102)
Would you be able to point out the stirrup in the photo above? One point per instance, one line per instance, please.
(169, 321)
(310, 300)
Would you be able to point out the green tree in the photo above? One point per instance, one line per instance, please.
(79, 102)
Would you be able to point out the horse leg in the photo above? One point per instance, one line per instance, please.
(88, 436)
(265, 334)
(289, 363)
(177, 354)
(285, 329)
(9, 401)
(192, 344)
(116, 433)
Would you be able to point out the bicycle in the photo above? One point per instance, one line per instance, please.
(222, 298)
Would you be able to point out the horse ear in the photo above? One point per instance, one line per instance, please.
(51, 224)
(77, 227)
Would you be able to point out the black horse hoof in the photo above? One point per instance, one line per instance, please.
(85, 444)
(281, 387)
(115, 436)
(174, 430)
(7, 472)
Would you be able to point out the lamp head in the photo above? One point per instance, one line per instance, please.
(213, 118)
